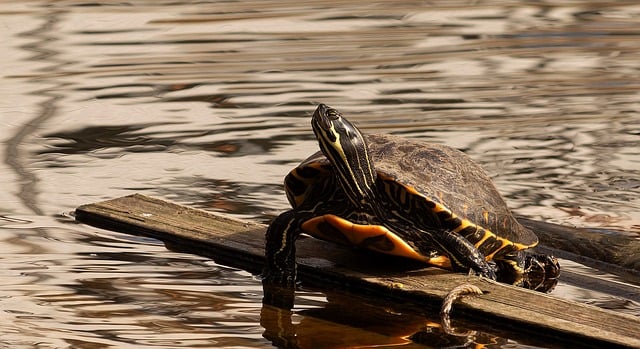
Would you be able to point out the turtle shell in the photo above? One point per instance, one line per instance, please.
(434, 185)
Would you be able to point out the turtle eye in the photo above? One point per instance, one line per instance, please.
(333, 114)
(324, 117)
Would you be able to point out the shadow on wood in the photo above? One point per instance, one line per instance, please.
(240, 244)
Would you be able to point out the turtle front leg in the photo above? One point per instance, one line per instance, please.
(463, 254)
(280, 250)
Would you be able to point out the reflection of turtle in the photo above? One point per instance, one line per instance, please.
(402, 197)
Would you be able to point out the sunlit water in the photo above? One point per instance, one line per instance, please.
(208, 104)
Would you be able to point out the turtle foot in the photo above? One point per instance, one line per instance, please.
(541, 272)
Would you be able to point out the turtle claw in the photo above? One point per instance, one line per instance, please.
(484, 271)
(490, 274)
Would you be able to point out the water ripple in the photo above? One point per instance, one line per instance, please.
(208, 104)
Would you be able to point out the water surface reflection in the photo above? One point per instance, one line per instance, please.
(207, 103)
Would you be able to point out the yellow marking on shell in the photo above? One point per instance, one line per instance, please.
(307, 181)
(520, 246)
(356, 234)
(464, 222)
(440, 208)
(487, 234)
(385, 177)
(503, 243)
(463, 225)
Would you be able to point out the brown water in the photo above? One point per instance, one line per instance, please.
(208, 104)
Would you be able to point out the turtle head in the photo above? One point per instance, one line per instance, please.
(345, 147)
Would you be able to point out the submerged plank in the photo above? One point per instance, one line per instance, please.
(615, 248)
(241, 245)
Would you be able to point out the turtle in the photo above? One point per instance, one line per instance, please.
(404, 197)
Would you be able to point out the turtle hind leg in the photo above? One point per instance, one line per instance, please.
(510, 265)
(280, 249)
(541, 272)
(538, 272)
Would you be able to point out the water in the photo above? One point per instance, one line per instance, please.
(208, 104)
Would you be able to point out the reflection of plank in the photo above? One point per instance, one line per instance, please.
(240, 244)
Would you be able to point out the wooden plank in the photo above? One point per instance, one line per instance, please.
(591, 246)
(240, 244)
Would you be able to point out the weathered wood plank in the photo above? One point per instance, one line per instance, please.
(240, 244)
(613, 247)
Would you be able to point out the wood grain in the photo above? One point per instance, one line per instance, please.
(241, 244)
